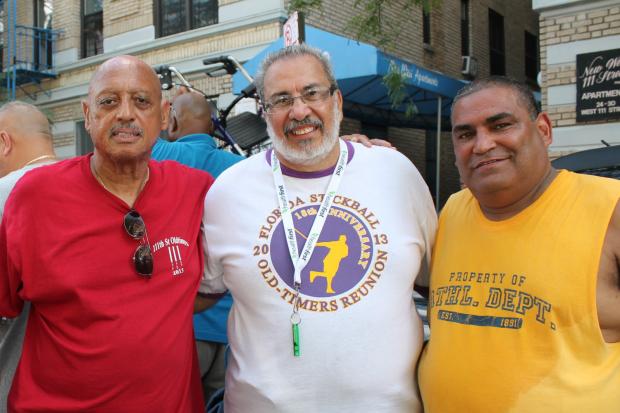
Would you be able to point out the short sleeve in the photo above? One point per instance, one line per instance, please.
(11, 303)
(212, 281)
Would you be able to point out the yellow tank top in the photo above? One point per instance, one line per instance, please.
(514, 324)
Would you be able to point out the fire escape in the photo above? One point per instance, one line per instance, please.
(28, 55)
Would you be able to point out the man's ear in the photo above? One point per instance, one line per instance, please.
(543, 124)
(86, 112)
(211, 127)
(165, 114)
(6, 142)
(339, 102)
(173, 124)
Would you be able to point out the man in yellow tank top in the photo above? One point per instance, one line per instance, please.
(525, 287)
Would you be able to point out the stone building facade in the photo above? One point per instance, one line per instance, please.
(569, 28)
(437, 41)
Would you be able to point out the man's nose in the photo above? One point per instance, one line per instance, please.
(484, 142)
(125, 110)
(299, 109)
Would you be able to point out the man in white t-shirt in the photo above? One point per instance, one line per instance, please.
(340, 334)
(25, 144)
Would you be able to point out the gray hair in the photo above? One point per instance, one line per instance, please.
(524, 93)
(288, 53)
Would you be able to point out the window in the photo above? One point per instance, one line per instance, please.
(83, 143)
(426, 26)
(92, 27)
(464, 27)
(531, 57)
(175, 16)
(42, 46)
(43, 13)
(496, 43)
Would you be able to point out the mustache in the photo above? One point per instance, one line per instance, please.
(307, 121)
(134, 129)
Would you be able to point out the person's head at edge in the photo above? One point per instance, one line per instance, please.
(190, 113)
(25, 135)
(500, 142)
(304, 133)
(124, 112)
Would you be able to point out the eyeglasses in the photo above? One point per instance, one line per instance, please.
(281, 103)
(142, 257)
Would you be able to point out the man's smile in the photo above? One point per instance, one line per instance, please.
(491, 161)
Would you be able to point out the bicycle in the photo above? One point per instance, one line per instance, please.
(171, 77)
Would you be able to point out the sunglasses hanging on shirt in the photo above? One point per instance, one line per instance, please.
(142, 257)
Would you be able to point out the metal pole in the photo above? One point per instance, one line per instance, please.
(438, 160)
(10, 31)
(14, 62)
(14, 49)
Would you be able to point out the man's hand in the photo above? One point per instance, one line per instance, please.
(364, 140)
(202, 302)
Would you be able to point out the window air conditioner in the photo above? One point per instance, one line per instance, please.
(469, 66)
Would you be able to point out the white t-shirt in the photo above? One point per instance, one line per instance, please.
(360, 339)
(8, 181)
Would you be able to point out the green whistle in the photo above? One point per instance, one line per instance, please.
(296, 351)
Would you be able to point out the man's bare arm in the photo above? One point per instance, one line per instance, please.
(608, 286)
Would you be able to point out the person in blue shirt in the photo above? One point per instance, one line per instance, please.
(190, 143)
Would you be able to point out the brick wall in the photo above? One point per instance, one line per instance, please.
(349, 126)
(411, 142)
(335, 15)
(121, 16)
(65, 139)
(443, 54)
(554, 30)
(67, 112)
(71, 111)
(213, 44)
(25, 12)
(518, 17)
(450, 181)
(67, 18)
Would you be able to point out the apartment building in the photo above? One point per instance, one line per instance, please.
(457, 40)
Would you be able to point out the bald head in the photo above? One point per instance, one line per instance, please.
(25, 118)
(191, 114)
(25, 134)
(125, 64)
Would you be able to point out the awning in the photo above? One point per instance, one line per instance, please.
(359, 70)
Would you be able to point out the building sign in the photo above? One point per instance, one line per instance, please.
(293, 30)
(598, 85)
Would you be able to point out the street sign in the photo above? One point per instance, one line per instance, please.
(598, 85)
(293, 30)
